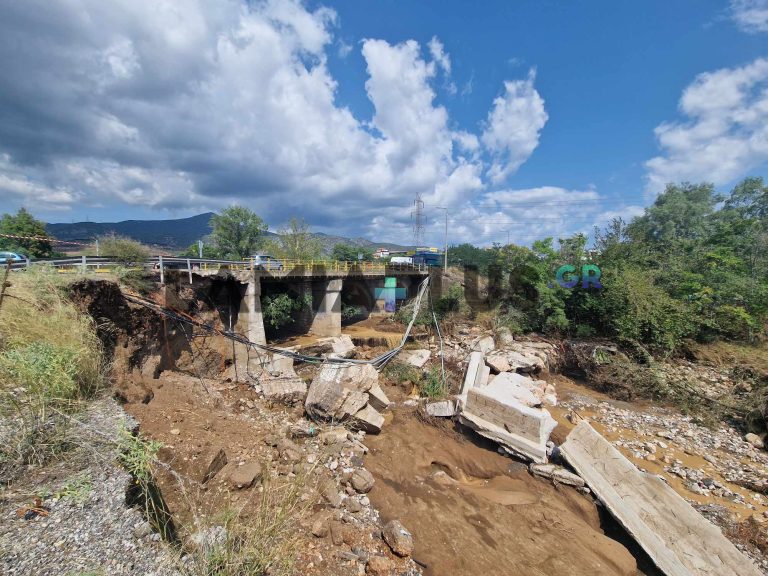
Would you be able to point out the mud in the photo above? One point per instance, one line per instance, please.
(473, 511)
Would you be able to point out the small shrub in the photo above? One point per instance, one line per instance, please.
(123, 249)
(278, 309)
(400, 372)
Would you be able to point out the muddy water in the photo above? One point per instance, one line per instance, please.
(474, 512)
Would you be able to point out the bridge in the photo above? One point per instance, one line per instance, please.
(240, 285)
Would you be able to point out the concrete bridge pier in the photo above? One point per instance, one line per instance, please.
(250, 308)
(327, 318)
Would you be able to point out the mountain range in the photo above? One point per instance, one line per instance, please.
(178, 234)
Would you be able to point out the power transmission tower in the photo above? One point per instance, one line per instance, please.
(417, 217)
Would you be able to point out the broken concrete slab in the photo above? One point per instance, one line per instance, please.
(471, 375)
(369, 420)
(519, 387)
(441, 409)
(494, 412)
(377, 398)
(340, 390)
(523, 362)
(484, 345)
(498, 363)
(343, 347)
(676, 537)
(281, 365)
(286, 390)
(416, 358)
(557, 474)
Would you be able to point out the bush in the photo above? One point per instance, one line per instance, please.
(400, 372)
(433, 385)
(122, 249)
(278, 310)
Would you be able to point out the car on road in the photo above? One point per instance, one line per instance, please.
(12, 256)
(266, 262)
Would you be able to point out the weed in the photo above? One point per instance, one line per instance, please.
(433, 385)
(263, 541)
(138, 456)
(77, 488)
(399, 373)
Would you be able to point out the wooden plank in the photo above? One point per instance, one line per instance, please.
(677, 538)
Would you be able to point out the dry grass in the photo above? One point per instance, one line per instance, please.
(50, 362)
(260, 537)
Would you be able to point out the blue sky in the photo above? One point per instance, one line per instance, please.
(525, 119)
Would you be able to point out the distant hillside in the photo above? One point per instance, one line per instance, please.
(171, 234)
(180, 233)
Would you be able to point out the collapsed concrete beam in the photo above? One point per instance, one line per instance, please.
(494, 412)
(286, 390)
(676, 537)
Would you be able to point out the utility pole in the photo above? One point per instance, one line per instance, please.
(200, 249)
(445, 253)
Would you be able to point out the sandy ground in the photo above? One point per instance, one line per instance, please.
(474, 511)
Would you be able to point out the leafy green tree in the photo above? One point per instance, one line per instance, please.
(24, 224)
(468, 254)
(210, 251)
(349, 253)
(237, 232)
(295, 242)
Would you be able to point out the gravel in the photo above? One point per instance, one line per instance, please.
(89, 529)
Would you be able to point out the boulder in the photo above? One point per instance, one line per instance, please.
(755, 440)
(246, 475)
(343, 347)
(379, 566)
(398, 538)
(330, 493)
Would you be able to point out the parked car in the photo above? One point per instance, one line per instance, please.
(12, 256)
(266, 262)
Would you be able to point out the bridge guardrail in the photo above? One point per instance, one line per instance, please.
(103, 264)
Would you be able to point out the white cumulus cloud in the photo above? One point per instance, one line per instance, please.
(725, 133)
(750, 15)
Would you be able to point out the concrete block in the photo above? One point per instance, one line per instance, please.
(369, 420)
(676, 537)
(286, 390)
(483, 374)
(523, 362)
(470, 376)
(417, 358)
(518, 387)
(377, 398)
(498, 363)
(557, 474)
(485, 345)
(343, 347)
(441, 409)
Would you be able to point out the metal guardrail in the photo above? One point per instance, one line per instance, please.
(103, 264)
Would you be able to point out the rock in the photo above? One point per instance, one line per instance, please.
(417, 358)
(212, 460)
(286, 390)
(336, 530)
(484, 345)
(289, 451)
(754, 440)
(377, 398)
(209, 539)
(362, 480)
(504, 336)
(498, 363)
(368, 420)
(353, 505)
(175, 431)
(379, 566)
(523, 362)
(320, 524)
(246, 475)
(329, 491)
(398, 538)
(442, 409)
(334, 436)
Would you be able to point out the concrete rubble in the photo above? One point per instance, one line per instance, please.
(416, 358)
(673, 534)
(347, 393)
(506, 407)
